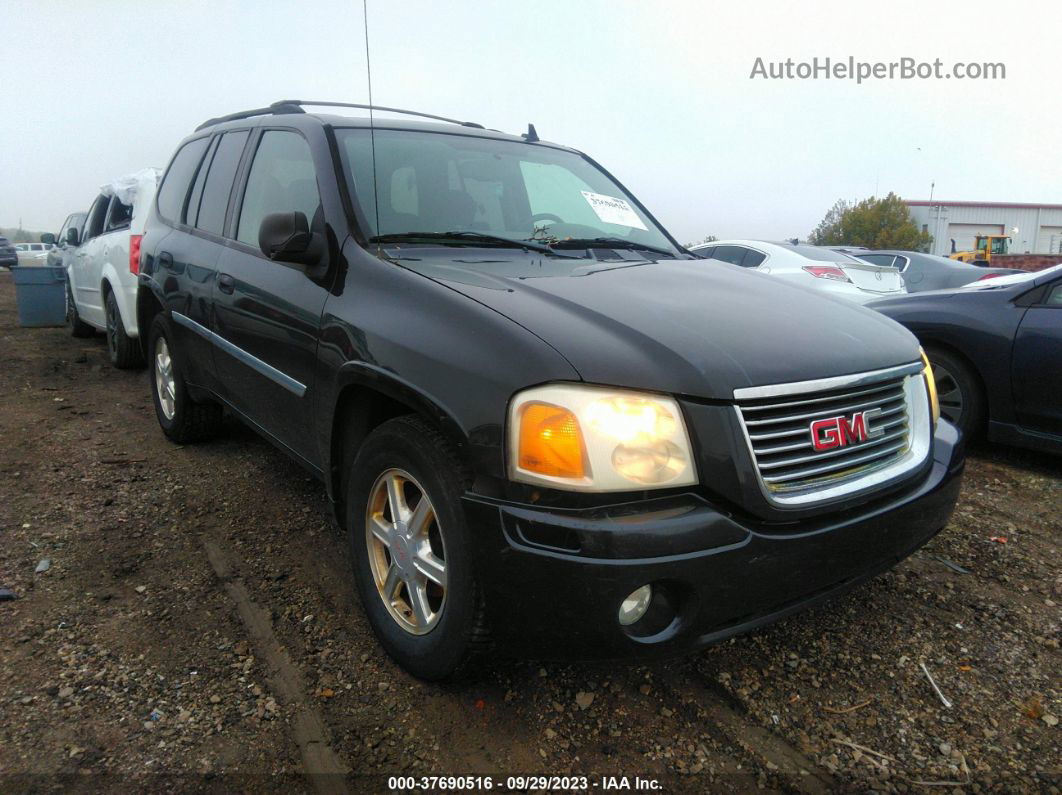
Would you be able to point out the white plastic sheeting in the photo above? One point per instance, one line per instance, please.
(127, 188)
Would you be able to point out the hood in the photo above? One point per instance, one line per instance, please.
(676, 326)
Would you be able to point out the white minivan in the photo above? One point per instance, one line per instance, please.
(102, 273)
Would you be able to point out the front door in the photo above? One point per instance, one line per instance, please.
(267, 314)
(1037, 364)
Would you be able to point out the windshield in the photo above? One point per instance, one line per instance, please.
(434, 183)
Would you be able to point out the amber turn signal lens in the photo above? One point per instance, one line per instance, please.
(551, 442)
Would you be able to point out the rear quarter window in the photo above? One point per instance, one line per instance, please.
(178, 178)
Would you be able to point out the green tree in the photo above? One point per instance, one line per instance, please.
(874, 223)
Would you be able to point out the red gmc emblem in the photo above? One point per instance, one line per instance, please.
(842, 431)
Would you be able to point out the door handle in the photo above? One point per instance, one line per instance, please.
(226, 283)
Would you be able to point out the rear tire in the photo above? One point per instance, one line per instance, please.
(182, 419)
(962, 400)
(447, 634)
(124, 350)
(78, 327)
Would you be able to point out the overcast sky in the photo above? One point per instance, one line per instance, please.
(658, 92)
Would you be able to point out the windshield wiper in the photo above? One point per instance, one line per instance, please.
(612, 242)
(466, 236)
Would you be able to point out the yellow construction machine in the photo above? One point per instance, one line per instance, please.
(984, 248)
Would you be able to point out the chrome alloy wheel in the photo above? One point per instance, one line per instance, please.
(407, 554)
(949, 394)
(164, 381)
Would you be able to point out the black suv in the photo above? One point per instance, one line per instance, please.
(8, 254)
(540, 420)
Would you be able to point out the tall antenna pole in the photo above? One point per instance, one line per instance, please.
(372, 129)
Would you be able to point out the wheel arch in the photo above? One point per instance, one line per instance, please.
(366, 397)
(148, 306)
(947, 347)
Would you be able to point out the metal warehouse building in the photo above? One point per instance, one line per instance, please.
(1033, 228)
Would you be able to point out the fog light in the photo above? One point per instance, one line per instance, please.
(635, 605)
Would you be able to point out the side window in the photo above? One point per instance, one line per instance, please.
(94, 223)
(731, 254)
(174, 189)
(1054, 297)
(119, 215)
(281, 179)
(192, 210)
(218, 185)
(706, 253)
(752, 259)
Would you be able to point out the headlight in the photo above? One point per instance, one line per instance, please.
(931, 387)
(591, 438)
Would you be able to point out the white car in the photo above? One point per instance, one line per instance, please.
(102, 274)
(32, 253)
(815, 267)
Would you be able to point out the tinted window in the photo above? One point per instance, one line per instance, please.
(196, 196)
(1054, 298)
(753, 258)
(96, 214)
(282, 179)
(119, 216)
(706, 253)
(879, 259)
(731, 254)
(174, 188)
(821, 254)
(218, 186)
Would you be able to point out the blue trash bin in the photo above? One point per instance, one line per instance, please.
(41, 295)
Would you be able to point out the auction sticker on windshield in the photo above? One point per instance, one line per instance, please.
(612, 210)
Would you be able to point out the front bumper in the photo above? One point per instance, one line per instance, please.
(554, 580)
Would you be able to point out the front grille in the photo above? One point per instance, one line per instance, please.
(778, 427)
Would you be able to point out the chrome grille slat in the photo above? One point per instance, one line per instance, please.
(820, 399)
(837, 465)
(778, 429)
(785, 462)
(847, 409)
(785, 448)
(758, 437)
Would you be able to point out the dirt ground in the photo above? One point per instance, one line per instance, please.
(197, 629)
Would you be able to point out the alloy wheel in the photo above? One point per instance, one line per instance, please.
(165, 385)
(112, 329)
(407, 554)
(949, 394)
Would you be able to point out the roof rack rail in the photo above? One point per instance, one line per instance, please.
(286, 106)
(301, 102)
(277, 108)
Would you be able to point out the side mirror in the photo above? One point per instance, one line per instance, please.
(48, 238)
(286, 237)
(72, 236)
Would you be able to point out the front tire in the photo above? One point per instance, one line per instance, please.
(124, 351)
(410, 549)
(962, 400)
(182, 419)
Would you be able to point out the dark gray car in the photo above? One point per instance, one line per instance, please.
(929, 272)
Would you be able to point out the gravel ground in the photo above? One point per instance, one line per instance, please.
(196, 628)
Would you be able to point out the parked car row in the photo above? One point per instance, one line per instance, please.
(541, 421)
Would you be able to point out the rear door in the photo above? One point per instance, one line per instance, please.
(1036, 363)
(181, 264)
(267, 314)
